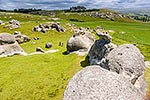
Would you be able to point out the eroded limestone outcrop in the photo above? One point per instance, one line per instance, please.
(48, 26)
(82, 40)
(20, 38)
(128, 61)
(100, 49)
(96, 83)
(118, 73)
(13, 24)
(9, 46)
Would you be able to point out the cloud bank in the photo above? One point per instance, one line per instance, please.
(65, 4)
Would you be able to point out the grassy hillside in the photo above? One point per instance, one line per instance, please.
(45, 76)
(38, 76)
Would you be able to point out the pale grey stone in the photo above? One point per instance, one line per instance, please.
(96, 83)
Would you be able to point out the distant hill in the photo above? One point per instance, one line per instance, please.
(94, 14)
(80, 14)
(142, 14)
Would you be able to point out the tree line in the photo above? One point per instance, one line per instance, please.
(23, 10)
(144, 18)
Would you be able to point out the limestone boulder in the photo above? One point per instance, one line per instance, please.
(41, 28)
(81, 40)
(9, 46)
(20, 38)
(57, 26)
(13, 24)
(6, 38)
(127, 60)
(11, 49)
(100, 49)
(37, 29)
(96, 83)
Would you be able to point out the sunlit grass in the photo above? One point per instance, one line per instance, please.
(45, 76)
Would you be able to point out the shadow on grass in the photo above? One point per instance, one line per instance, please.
(85, 62)
(65, 53)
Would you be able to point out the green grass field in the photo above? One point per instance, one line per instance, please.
(45, 76)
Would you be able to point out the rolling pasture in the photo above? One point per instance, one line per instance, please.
(45, 76)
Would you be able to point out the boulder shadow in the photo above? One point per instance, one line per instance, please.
(85, 62)
(65, 53)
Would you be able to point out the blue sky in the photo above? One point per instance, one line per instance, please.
(64, 4)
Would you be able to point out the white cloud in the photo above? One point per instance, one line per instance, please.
(63, 4)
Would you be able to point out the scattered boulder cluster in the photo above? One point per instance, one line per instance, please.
(45, 27)
(82, 40)
(116, 73)
(20, 38)
(105, 15)
(9, 46)
(13, 24)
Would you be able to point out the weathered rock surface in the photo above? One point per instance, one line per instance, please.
(42, 28)
(20, 38)
(127, 60)
(109, 15)
(11, 49)
(100, 49)
(58, 27)
(82, 40)
(141, 84)
(14, 24)
(9, 46)
(6, 38)
(96, 83)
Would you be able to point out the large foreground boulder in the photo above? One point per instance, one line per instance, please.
(96, 83)
(82, 40)
(127, 61)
